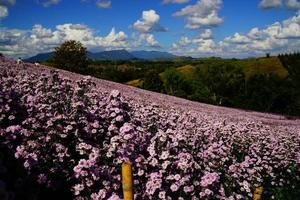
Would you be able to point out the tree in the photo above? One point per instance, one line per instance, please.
(226, 81)
(71, 55)
(176, 83)
(152, 81)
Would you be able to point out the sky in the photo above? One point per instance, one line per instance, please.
(198, 28)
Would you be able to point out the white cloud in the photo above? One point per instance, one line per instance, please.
(175, 1)
(254, 33)
(275, 38)
(203, 13)
(206, 46)
(201, 45)
(7, 2)
(47, 3)
(103, 3)
(181, 45)
(4, 4)
(41, 32)
(184, 41)
(3, 11)
(290, 31)
(289, 4)
(237, 38)
(27, 43)
(292, 4)
(149, 23)
(207, 34)
(150, 40)
(266, 4)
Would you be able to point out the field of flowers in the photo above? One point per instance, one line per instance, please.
(79, 130)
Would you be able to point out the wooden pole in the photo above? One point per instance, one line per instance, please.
(258, 193)
(127, 181)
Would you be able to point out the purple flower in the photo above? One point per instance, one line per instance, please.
(174, 187)
(115, 93)
(42, 178)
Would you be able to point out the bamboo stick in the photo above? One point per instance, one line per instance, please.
(258, 193)
(127, 181)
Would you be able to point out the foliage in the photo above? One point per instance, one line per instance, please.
(292, 62)
(152, 81)
(176, 83)
(225, 81)
(71, 55)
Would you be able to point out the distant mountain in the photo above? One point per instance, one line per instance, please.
(112, 55)
(41, 57)
(149, 55)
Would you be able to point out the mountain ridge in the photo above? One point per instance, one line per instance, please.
(112, 55)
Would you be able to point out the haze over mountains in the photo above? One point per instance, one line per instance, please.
(112, 55)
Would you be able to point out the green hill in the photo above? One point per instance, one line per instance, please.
(261, 66)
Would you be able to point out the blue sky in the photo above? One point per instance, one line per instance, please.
(227, 28)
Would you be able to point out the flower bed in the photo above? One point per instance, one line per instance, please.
(68, 130)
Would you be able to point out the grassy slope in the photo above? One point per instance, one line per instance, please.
(262, 65)
(250, 67)
(187, 70)
(135, 83)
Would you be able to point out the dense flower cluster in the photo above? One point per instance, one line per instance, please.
(70, 129)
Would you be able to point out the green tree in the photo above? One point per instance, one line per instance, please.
(71, 55)
(176, 83)
(152, 81)
(226, 81)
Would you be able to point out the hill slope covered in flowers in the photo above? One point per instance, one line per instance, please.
(63, 126)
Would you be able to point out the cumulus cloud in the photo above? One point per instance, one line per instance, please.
(27, 43)
(266, 4)
(3, 12)
(103, 3)
(292, 4)
(206, 34)
(7, 2)
(237, 38)
(4, 4)
(203, 13)
(200, 45)
(289, 4)
(184, 41)
(175, 1)
(150, 40)
(47, 3)
(149, 23)
(206, 46)
(274, 38)
(181, 44)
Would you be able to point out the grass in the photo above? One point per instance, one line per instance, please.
(187, 70)
(135, 83)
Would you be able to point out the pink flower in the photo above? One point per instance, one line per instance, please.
(162, 195)
(115, 93)
(174, 187)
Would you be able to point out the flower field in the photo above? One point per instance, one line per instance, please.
(63, 126)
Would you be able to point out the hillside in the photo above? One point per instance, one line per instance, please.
(262, 65)
(250, 66)
(78, 131)
(166, 101)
